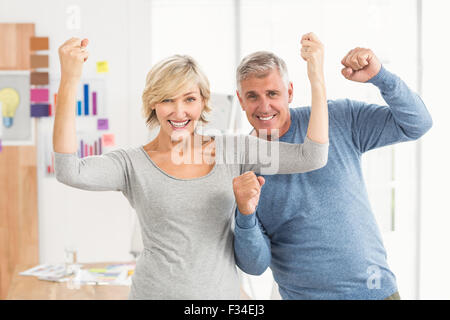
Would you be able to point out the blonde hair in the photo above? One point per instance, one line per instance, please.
(167, 79)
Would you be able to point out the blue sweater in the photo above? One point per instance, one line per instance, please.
(316, 230)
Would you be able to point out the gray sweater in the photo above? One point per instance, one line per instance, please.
(187, 224)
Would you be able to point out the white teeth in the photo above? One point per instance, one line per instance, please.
(266, 118)
(179, 124)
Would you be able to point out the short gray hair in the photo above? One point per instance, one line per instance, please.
(259, 64)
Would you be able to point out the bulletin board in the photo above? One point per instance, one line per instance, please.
(91, 121)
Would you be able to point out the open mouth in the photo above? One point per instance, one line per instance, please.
(179, 124)
(266, 118)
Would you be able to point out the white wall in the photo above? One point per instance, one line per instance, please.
(435, 208)
(277, 25)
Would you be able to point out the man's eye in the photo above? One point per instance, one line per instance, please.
(272, 93)
(251, 97)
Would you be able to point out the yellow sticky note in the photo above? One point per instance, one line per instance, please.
(102, 67)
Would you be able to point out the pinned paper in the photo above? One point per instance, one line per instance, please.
(39, 78)
(39, 110)
(39, 95)
(38, 43)
(102, 124)
(38, 61)
(108, 140)
(102, 67)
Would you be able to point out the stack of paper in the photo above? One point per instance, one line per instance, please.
(113, 275)
(52, 272)
(117, 274)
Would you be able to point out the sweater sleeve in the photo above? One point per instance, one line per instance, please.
(404, 118)
(251, 244)
(275, 157)
(95, 173)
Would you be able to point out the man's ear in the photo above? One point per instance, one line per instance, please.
(240, 100)
(290, 91)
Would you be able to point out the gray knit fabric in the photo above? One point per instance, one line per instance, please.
(187, 224)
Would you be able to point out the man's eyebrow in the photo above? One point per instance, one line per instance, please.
(267, 91)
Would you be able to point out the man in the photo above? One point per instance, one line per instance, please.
(316, 230)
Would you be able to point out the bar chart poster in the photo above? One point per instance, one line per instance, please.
(91, 122)
(46, 157)
(89, 143)
(90, 98)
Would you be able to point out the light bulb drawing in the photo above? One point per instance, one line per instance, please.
(10, 100)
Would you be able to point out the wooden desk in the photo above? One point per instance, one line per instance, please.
(30, 288)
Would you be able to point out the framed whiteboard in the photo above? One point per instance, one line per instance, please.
(22, 130)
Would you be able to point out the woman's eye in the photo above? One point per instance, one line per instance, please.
(166, 100)
(190, 99)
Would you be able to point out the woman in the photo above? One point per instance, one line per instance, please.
(180, 184)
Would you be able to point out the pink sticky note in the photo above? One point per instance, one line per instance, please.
(102, 124)
(39, 95)
(0, 145)
(108, 139)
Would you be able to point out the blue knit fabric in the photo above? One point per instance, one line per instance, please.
(316, 230)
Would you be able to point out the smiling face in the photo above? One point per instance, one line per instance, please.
(265, 101)
(176, 95)
(178, 116)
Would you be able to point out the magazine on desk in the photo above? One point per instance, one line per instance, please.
(115, 274)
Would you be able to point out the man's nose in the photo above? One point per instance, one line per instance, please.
(264, 105)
